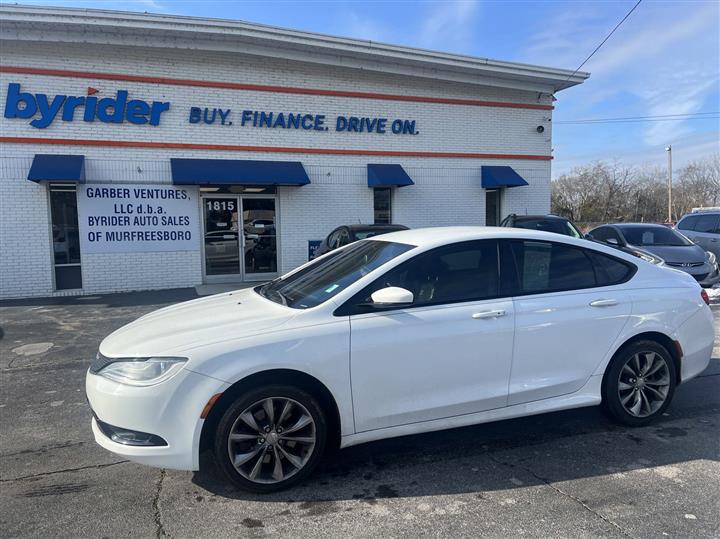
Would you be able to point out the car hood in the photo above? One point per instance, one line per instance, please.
(676, 254)
(172, 330)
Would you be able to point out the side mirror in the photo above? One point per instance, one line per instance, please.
(392, 296)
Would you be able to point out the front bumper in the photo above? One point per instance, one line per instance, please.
(170, 410)
(706, 275)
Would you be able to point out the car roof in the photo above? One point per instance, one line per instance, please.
(548, 217)
(639, 225)
(422, 237)
(376, 227)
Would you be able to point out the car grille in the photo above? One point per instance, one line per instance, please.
(685, 264)
(700, 277)
(99, 363)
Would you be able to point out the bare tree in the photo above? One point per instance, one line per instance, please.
(609, 192)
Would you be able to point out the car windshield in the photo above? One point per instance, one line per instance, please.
(654, 235)
(330, 275)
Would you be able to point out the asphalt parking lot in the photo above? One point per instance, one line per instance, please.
(565, 474)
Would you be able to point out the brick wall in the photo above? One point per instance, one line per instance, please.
(447, 191)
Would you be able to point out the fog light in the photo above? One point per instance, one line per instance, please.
(129, 437)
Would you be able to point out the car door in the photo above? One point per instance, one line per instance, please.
(565, 321)
(446, 354)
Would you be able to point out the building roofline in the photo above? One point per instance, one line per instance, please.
(35, 23)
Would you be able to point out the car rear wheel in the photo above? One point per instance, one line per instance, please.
(271, 438)
(640, 383)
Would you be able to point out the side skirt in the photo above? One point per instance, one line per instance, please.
(588, 395)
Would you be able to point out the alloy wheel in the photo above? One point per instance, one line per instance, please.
(644, 383)
(272, 440)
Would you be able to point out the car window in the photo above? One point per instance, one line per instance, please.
(363, 234)
(546, 225)
(548, 267)
(328, 276)
(707, 223)
(572, 230)
(332, 240)
(343, 237)
(610, 270)
(605, 233)
(688, 223)
(466, 271)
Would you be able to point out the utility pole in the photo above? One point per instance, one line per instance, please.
(668, 149)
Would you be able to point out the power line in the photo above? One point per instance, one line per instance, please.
(604, 40)
(635, 121)
(657, 118)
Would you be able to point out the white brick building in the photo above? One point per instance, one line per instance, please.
(240, 219)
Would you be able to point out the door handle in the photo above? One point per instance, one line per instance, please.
(603, 303)
(484, 315)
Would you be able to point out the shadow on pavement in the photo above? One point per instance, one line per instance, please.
(125, 299)
(554, 447)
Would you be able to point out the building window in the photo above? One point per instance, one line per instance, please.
(382, 197)
(65, 236)
(492, 207)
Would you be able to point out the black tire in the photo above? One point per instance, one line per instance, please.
(616, 375)
(250, 399)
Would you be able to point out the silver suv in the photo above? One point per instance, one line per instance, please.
(703, 228)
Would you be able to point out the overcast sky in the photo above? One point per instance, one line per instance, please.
(665, 59)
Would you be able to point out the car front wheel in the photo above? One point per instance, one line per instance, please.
(640, 383)
(271, 438)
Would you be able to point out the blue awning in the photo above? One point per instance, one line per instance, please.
(57, 168)
(388, 176)
(237, 172)
(495, 177)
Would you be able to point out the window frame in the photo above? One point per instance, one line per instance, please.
(63, 187)
(354, 305)
(389, 191)
(512, 264)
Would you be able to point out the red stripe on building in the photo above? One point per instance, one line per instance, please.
(269, 149)
(268, 88)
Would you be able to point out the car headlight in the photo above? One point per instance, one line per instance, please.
(712, 259)
(142, 371)
(647, 257)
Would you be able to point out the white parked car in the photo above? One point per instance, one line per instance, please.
(408, 332)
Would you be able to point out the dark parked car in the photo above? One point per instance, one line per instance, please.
(345, 234)
(660, 245)
(546, 223)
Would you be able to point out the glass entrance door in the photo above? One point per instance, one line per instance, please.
(240, 240)
(260, 241)
(222, 238)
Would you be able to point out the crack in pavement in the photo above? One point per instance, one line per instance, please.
(560, 491)
(66, 470)
(159, 528)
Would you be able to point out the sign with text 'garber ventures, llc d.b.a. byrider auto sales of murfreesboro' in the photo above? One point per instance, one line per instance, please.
(42, 111)
(120, 218)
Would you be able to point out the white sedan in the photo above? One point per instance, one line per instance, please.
(408, 332)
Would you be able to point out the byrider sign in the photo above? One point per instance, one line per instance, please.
(42, 111)
(115, 110)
